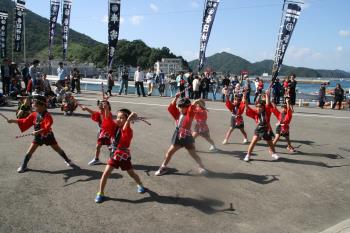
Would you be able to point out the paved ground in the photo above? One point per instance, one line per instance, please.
(304, 192)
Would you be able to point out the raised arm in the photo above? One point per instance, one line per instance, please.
(131, 117)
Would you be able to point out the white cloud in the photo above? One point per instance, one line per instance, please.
(136, 19)
(153, 7)
(227, 50)
(190, 55)
(299, 53)
(306, 5)
(194, 4)
(340, 48)
(344, 33)
(104, 19)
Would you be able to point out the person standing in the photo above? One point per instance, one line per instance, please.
(139, 76)
(25, 75)
(33, 73)
(62, 74)
(6, 76)
(293, 90)
(225, 84)
(205, 82)
(247, 89)
(181, 84)
(190, 86)
(322, 95)
(110, 82)
(76, 80)
(125, 81)
(150, 76)
(195, 85)
(276, 91)
(338, 96)
(215, 82)
(161, 83)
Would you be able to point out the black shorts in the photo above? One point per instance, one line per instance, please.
(263, 133)
(48, 140)
(187, 141)
(234, 124)
(283, 134)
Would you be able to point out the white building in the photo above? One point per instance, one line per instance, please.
(169, 65)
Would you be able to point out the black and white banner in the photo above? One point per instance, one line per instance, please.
(66, 11)
(3, 33)
(20, 7)
(290, 20)
(211, 7)
(54, 9)
(113, 29)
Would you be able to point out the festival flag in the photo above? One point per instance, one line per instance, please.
(3, 33)
(210, 9)
(54, 9)
(66, 11)
(113, 29)
(287, 27)
(20, 7)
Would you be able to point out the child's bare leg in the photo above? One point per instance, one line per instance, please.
(208, 138)
(289, 143)
(58, 149)
(32, 148)
(133, 175)
(107, 172)
(252, 144)
(277, 137)
(244, 133)
(171, 151)
(98, 149)
(271, 146)
(228, 134)
(194, 135)
(194, 155)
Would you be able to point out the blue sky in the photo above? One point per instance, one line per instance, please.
(247, 28)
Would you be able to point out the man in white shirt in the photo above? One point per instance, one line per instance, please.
(150, 81)
(62, 74)
(139, 76)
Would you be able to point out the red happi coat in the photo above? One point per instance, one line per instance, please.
(185, 128)
(201, 117)
(254, 115)
(99, 117)
(46, 123)
(240, 110)
(283, 122)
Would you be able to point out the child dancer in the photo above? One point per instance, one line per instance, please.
(123, 134)
(42, 122)
(284, 118)
(201, 128)
(69, 104)
(237, 109)
(263, 129)
(182, 137)
(103, 137)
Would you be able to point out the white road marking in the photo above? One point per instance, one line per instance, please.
(216, 109)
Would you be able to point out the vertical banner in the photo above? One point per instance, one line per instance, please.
(113, 29)
(210, 9)
(286, 30)
(18, 31)
(3, 33)
(66, 11)
(54, 8)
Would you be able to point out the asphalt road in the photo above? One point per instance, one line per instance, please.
(304, 192)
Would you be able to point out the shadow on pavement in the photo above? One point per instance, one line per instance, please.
(77, 172)
(260, 179)
(330, 156)
(205, 205)
(302, 162)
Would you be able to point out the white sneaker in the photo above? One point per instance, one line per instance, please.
(94, 162)
(161, 171)
(247, 158)
(212, 148)
(202, 171)
(245, 141)
(21, 169)
(224, 142)
(275, 156)
(70, 164)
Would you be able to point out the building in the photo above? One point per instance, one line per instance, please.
(169, 65)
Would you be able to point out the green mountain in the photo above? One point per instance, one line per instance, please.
(229, 63)
(81, 48)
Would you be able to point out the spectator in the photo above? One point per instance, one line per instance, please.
(276, 91)
(292, 90)
(25, 75)
(125, 81)
(247, 88)
(139, 77)
(338, 96)
(62, 74)
(161, 83)
(76, 80)
(205, 82)
(150, 77)
(225, 86)
(5, 76)
(181, 84)
(215, 84)
(190, 86)
(195, 85)
(110, 82)
(322, 95)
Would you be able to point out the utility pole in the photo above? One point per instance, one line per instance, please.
(24, 38)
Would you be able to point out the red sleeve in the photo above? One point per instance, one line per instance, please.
(96, 116)
(229, 104)
(191, 111)
(241, 108)
(250, 112)
(174, 111)
(25, 123)
(47, 123)
(276, 112)
(109, 125)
